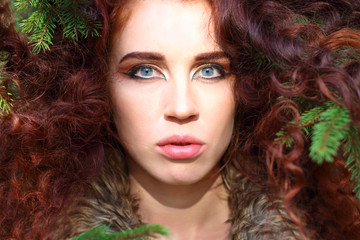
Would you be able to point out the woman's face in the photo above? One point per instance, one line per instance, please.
(171, 92)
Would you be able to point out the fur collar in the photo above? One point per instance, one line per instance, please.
(108, 200)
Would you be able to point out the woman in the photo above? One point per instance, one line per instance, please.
(173, 120)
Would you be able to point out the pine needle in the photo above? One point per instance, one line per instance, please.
(329, 127)
(352, 151)
(5, 96)
(5, 105)
(102, 233)
(73, 17)
(328, 132)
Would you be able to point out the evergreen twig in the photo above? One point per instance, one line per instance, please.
(328, 132)
(75, 20)
(102, 233)
(5, 104)
(352, 152)
(5, 96)
(329, 127)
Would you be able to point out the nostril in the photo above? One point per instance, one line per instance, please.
(181, 120)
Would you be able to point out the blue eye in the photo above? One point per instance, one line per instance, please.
(207, 72)
(144, 72)
(210, 71)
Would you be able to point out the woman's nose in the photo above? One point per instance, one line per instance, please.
(181, 106)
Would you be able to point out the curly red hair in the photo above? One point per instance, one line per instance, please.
(53, 141)
(52, 144)
(281, 52)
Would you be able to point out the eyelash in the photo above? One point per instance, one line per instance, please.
(218, 67)
(131, 73)
(222, 73)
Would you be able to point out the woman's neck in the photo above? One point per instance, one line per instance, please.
(197, 211)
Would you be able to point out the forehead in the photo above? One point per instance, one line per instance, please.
(158, 23)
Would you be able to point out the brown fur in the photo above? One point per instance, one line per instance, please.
(108, 201)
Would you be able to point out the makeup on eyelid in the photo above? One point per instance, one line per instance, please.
(210, 71)
(135, 64)
(144, 69)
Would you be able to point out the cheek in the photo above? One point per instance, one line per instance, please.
(223, 123)
(220, 108)
(222, 116)
(122, 108)
(131, 111)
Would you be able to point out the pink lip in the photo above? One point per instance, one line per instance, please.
(171, 147)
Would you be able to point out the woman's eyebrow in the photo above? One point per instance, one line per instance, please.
(210, 56)
(143, 56)
(160, 57)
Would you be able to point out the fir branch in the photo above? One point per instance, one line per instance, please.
(102, 233)
(310, 117)
(77, 22)
(284, 139)
(301, 19)
(74, 17)
(5, 101)
(5, 96)
(307, 121)
(41, 24)
(326, 125)
(329, 127)
(21, 5)
(328, 132)
(352, 152)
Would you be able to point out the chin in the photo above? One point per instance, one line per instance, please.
(181, 181)
(183, 178)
